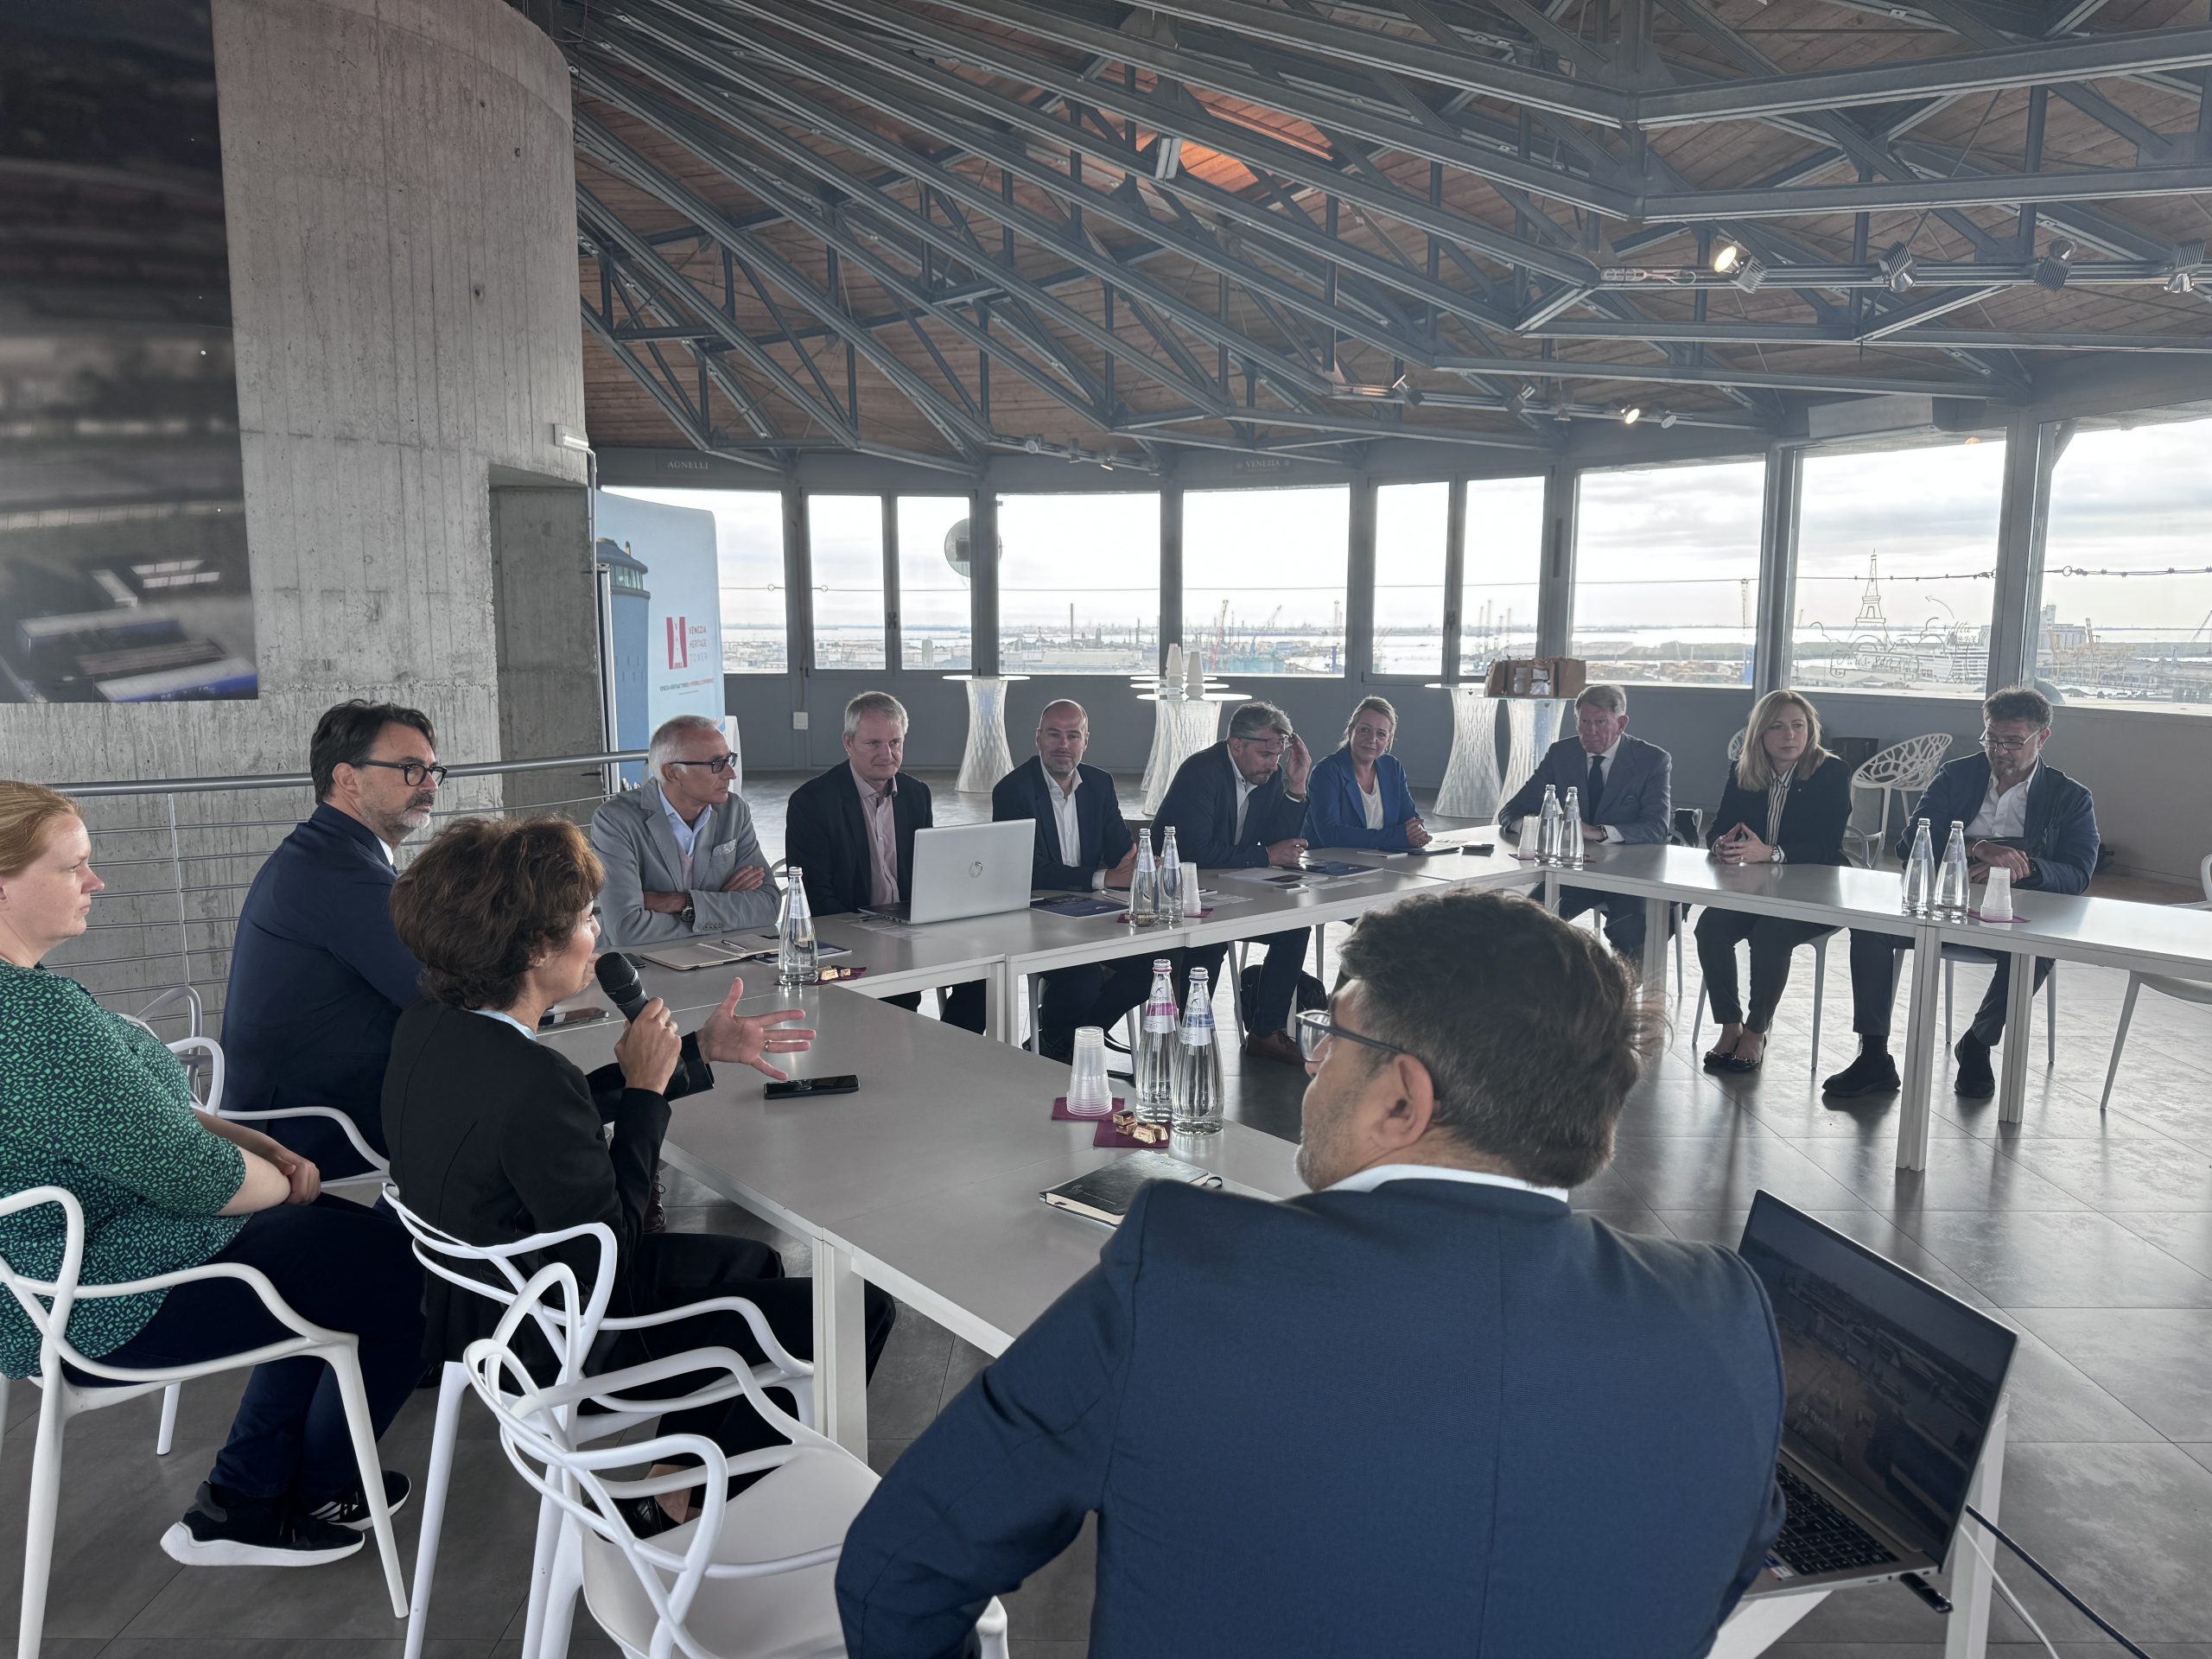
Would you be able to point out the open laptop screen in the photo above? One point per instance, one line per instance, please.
(1891, 1382)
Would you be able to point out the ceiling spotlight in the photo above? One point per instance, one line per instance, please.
(1896, 268)
(1667, 418)
(1632, 415)
(1726, 257)
(1748, 276)
(1528, 392)
(2181, 282)
(1166, 156)
(2051, 271)
(2180, 270)
(1562, 415)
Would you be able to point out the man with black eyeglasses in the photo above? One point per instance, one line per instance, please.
(2020, 815)
(318, 977)
(1425, 1407)
(680, 854)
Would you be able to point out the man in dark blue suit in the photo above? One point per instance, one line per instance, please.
(850, 833)
(1241, 805)
(318, 977)
(1083, 845)
(1626, 786)
(2031, 819)
(1424, 1410)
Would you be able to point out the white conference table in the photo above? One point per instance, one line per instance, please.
(924, 1182)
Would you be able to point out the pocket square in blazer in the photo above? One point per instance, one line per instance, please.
(728, 846)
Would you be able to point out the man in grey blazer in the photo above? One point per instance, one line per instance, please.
(1627, 796)
(679, 852)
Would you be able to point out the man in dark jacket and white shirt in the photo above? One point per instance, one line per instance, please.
(1425, 1408)
(1626, 794)
(1083, 845)
(680, 854)
(2020, 815)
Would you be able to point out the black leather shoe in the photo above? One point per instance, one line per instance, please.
(1976, 1080)
(1870, 1074)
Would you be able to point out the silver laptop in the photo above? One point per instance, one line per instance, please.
(972, 869)
(1892, 1386)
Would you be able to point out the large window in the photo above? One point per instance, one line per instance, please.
(1667, 573)
(749, 550)
(1411, 527)
(2128, 570)
(1897, 553)
(1503, 558)
(1079, 583)
(845, 535)
(936, 625)
(1263, 579)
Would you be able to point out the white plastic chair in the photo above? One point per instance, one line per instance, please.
(2188, 990)
(1819, 945)
(190, 1051)
(1956, 954)
(1905, 768)
(450, 1257)
(751, 1577)
(48, 1303)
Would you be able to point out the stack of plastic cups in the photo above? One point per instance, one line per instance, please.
(1171, 682)
(1996, 897)
(1089, 1094)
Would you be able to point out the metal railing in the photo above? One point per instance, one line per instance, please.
(180, 855)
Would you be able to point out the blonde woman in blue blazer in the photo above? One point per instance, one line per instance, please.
(1358, 796)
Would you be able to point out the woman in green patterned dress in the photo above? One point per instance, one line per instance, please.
(93, 1102)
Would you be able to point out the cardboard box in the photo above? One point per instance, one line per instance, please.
(1537, 677)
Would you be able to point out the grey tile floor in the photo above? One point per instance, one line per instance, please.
(2091, 1235)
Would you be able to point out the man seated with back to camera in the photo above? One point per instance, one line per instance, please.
(496, 1135)
(1425, 1408)
(1241, 805)
(1083, 845)
(850, 832)
(679, 850)
(2020, 816)
(1626, 785)
(318, 978)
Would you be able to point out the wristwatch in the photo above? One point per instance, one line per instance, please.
(690, 913)
(1776, 855)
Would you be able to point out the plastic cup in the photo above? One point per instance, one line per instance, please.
(1174, 675)
(1194, 676)
(1088, 1093)
(1997, 898)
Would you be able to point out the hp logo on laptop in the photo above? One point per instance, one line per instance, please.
(975, 871)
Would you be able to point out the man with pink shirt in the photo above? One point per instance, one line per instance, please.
(851, 831)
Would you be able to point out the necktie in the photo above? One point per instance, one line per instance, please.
(1593, 789)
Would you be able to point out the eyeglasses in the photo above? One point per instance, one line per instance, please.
(2008, 745)
(716, 763)
(412, 772)
(1316, 1031)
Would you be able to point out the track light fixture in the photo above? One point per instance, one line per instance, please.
(1896, 268)
(1166, 156)
(2051, 270)
(1726, 257)
(1632, 415)
(1748, 276)
(1667, 418)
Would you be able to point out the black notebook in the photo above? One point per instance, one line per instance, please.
(1106, 1194)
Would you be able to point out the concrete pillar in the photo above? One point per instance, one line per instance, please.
(399, 196)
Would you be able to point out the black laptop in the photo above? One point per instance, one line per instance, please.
(1892, 1386)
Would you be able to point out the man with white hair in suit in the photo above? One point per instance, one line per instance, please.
(680, 854)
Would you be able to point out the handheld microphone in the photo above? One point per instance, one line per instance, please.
(618, 977)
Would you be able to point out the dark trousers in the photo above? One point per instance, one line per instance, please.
(1774, 939)
(1091, 993)
(324, 1144)
(1624, 914)
(670, 1269)
(336, 1265)
(963, 1004)
(1874, 984)
(1269, 1008)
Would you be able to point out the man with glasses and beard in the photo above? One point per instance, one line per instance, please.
(2021, 815)
(318, 978)
(680, 854)
(1424, 1408)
